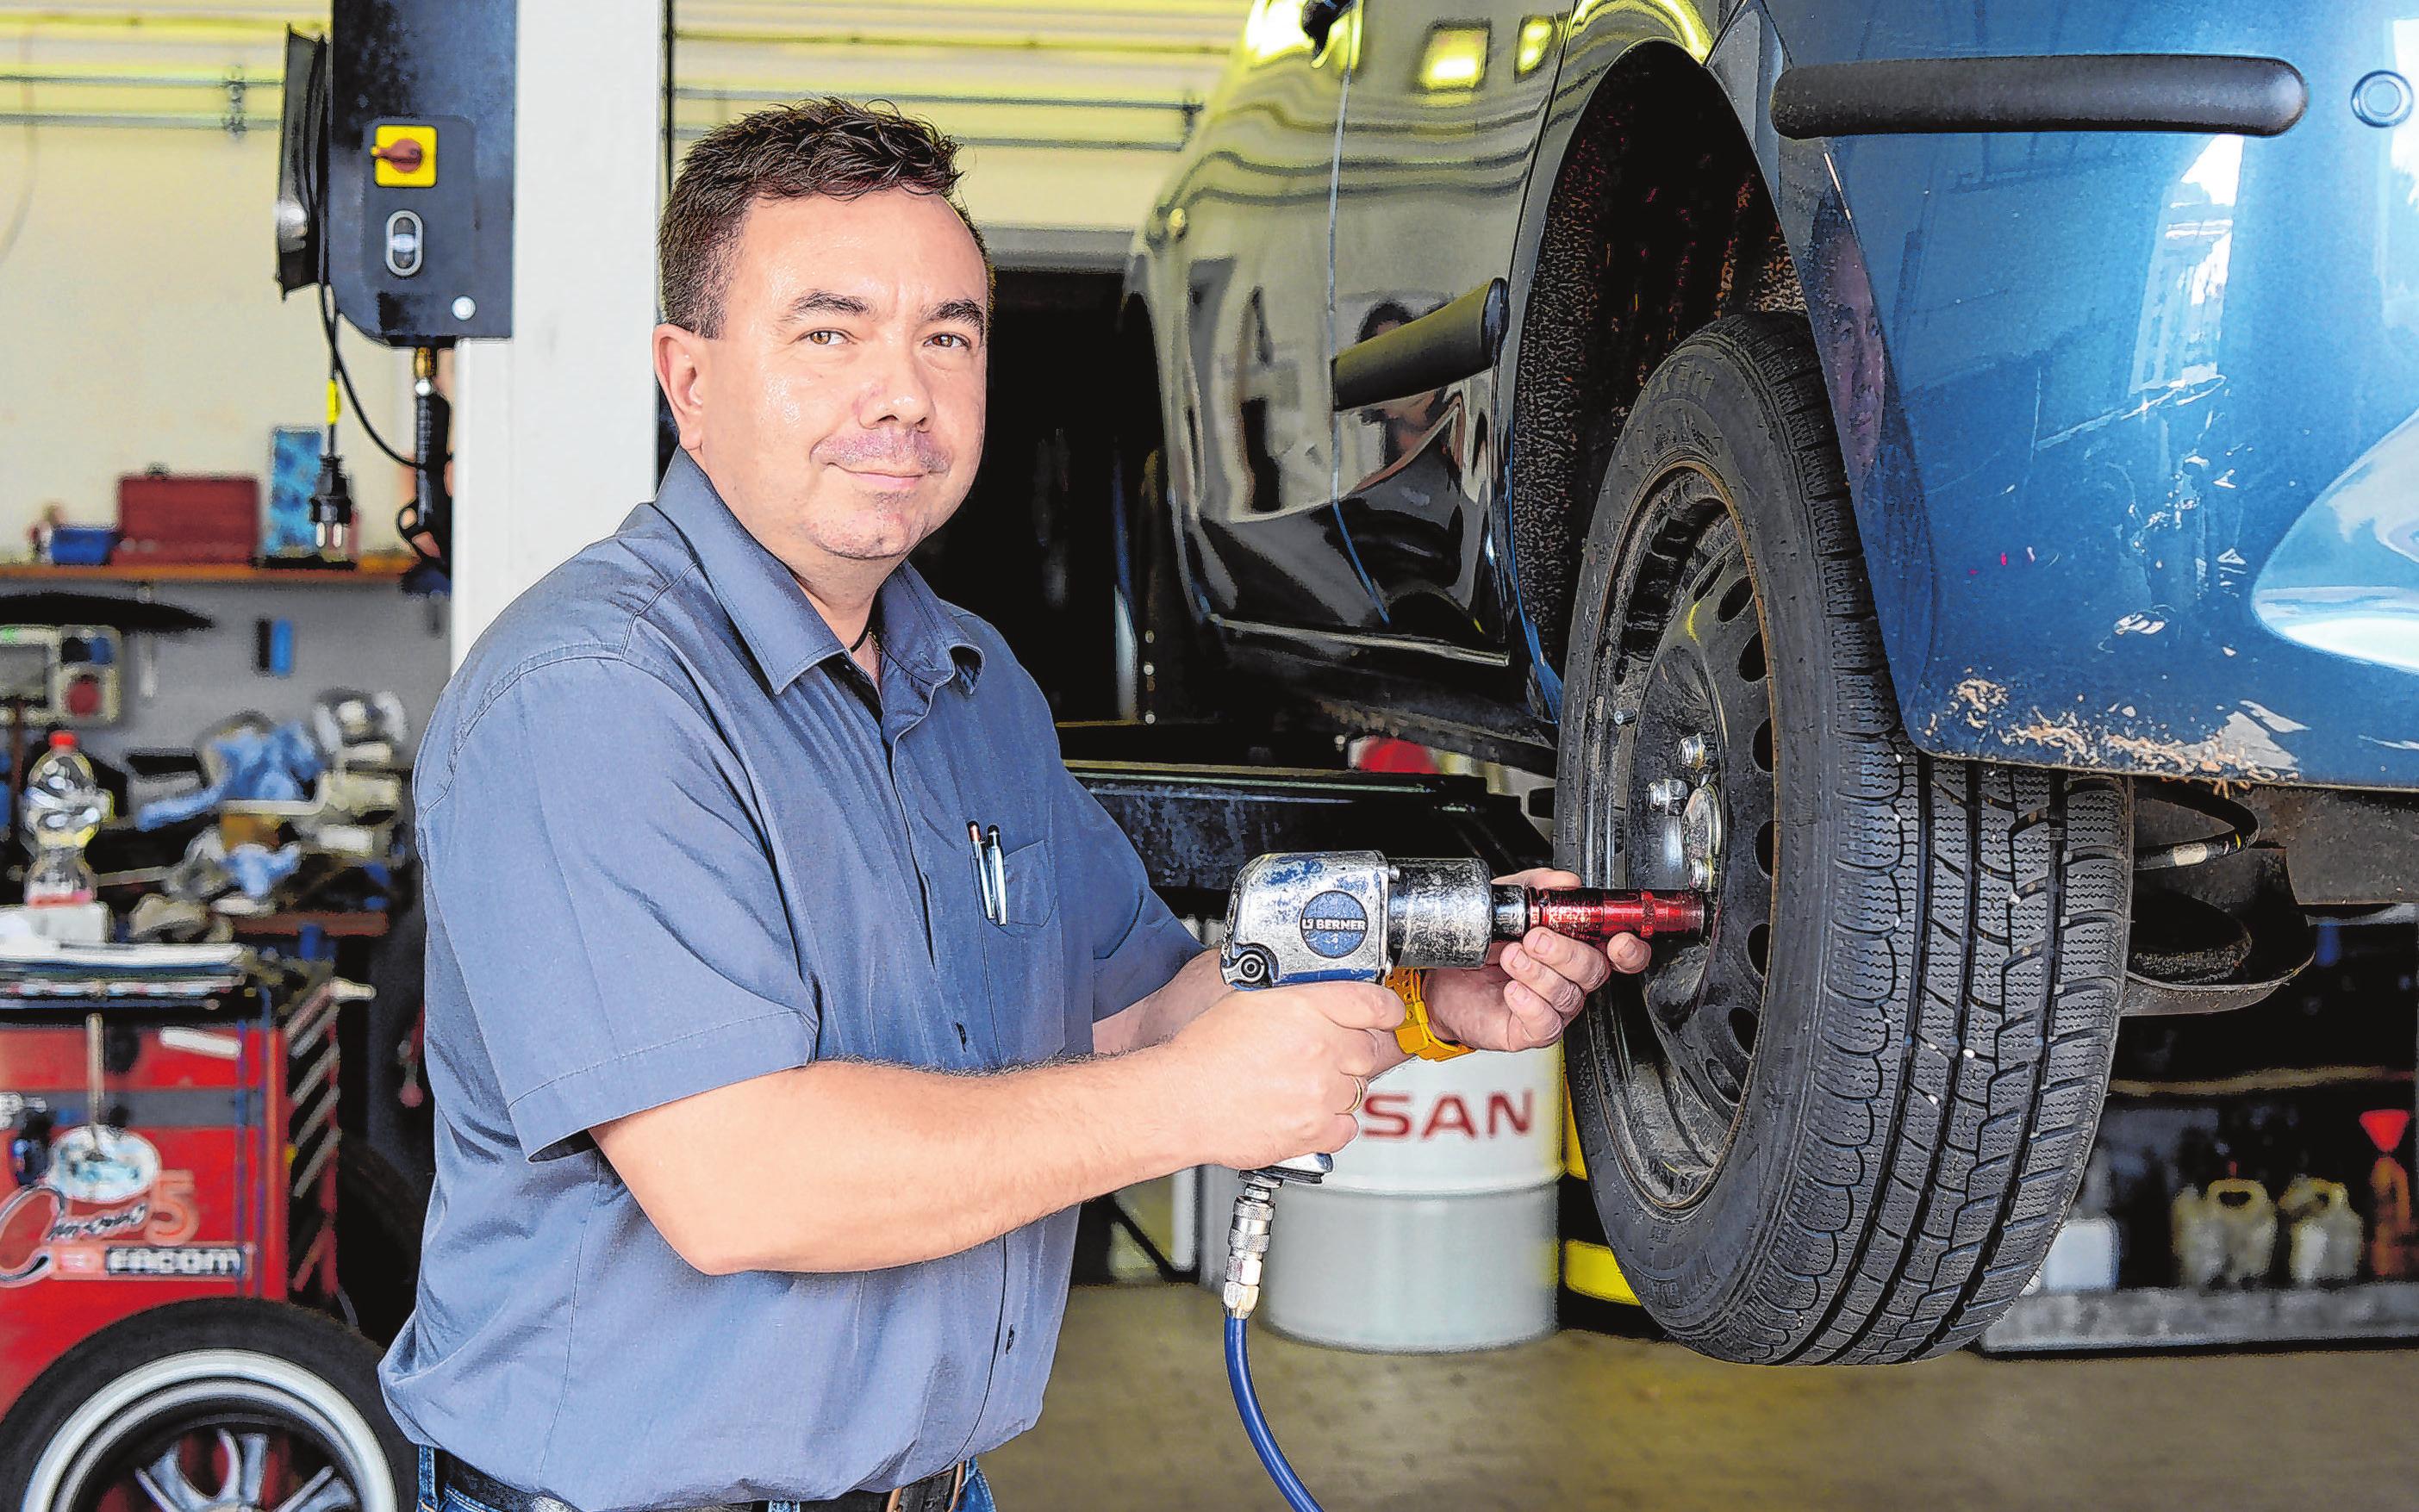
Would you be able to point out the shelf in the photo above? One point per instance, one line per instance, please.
(2165, 1318)
(381, 569)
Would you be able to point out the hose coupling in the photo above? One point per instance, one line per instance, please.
(1247, 1242)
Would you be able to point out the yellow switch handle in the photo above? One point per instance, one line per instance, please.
(1416, 1035)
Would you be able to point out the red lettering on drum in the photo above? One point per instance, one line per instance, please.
(1385, 1116)
(1450, 1104)
(1500, 1111)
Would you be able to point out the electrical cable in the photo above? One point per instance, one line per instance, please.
(1256, 1423)
(344, 376)
(309, 178)
(411, 520)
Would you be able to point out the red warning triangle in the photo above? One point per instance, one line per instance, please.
(2386, 1126)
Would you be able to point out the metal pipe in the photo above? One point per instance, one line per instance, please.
(220, 123)
(1007, 42)
(1100, 144)
(161, 122)
(147, 81)
(200, 26)
(2193, 852)
(1186, 105)
(156, 26)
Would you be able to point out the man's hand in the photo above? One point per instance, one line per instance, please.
(1270, 1075)
(1530, 988)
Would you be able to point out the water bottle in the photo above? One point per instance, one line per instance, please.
(64, 809)
(58, 875)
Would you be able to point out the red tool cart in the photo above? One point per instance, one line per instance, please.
(168, 1292)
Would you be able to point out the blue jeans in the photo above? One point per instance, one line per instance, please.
(977, 1497)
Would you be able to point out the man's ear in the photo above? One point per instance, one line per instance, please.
(681, 358)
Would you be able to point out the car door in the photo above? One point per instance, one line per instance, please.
(1446, 104)
(1248, 224)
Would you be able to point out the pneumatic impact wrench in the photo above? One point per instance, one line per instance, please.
(1355, 916)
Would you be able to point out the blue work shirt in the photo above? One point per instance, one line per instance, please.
(672, 841)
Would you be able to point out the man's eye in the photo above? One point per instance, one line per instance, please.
(953, 338)
(826, 338)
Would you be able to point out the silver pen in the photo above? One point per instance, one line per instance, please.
(998, 873)
(982, 870)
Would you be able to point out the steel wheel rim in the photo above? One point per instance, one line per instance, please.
(1686, 658)
(130, 1434)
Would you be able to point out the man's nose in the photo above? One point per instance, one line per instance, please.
(896, 392)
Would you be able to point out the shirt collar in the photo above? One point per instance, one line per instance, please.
(779, 624)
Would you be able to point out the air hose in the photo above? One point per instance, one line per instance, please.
(1256, 1425)
(1247, 1246)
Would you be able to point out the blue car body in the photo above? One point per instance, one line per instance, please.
(2132, 426)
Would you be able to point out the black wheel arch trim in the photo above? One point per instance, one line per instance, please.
(2102, 92)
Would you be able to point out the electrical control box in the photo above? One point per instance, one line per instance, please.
(62, 674)
(415, 114)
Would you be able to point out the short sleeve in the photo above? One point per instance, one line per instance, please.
(1135, 941)
(610, 902)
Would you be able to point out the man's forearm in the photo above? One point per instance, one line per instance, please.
(853, 1166)
(1155, 1019)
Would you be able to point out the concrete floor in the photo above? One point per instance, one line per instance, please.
(1139, 1417)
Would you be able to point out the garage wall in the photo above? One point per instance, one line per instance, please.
(138, 320)
(371, 638)
(1069, 110)
(140, 324)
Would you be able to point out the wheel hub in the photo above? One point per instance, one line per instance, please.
(1696, 751)
(242, 1458)
(1688, 837)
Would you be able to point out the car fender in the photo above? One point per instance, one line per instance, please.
(2124, 384)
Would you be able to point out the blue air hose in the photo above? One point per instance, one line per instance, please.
(1256, 1425)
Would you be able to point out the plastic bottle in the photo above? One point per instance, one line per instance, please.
(59, 875)
(64, 809)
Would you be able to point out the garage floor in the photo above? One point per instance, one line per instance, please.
(1138, 1416)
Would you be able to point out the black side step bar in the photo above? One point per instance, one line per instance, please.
(2102, 92)
(1442, 347)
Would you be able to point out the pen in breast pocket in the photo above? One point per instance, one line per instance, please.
(982, 870)
(998, 873)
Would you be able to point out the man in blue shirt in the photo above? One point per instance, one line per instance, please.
(761, 1115)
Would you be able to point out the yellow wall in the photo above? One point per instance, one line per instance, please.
(138, 320)
(140, 324)
(1101, 82)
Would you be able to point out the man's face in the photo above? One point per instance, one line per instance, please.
(1851, 329)
(840, 413)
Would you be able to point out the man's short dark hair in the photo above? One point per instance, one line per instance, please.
(829, 146)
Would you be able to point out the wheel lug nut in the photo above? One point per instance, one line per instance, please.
(1696, 753)
(1667, 795)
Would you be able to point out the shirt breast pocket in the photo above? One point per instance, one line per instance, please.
(1025, 957)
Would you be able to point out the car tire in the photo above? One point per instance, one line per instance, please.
(200, 1378)
(1844, 1123)
(378, 1240)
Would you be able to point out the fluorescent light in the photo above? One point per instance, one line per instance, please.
(1536, 43)
(1274, 29)
(1454, 59)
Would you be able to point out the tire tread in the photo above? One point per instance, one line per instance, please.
(1967, 988)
